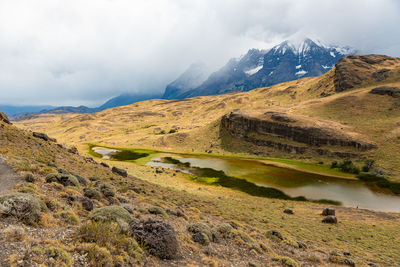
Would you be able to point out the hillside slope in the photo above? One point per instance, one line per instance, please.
(78, 211)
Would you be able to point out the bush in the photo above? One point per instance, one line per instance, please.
(111, 214)
(92, 193)
(346, 166)
(157, 210)
(24, 207)
(69, 216)
(111, 236)
(200, 228)
(223, 230)
(107, 189)
(172, 131)
(59, 255)
(98, 256)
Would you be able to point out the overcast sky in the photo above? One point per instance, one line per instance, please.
(71, 52)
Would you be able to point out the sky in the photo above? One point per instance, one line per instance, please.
(73, 52)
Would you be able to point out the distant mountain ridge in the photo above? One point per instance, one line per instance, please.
(259, 68)
(24, 112)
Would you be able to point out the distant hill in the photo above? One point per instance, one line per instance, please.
(260, 68)
(17, 113)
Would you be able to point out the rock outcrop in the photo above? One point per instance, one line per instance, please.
(386, 90)
(4, 118)
(353, 71)
(266, 130)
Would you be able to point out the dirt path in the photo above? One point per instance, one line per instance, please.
(8, 178)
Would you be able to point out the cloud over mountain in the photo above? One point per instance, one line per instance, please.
(83, 52)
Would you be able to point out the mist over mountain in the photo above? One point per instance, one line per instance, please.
(286, 61)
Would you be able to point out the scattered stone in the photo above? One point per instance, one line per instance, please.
(328, 211)
(180, 213)
(119, 171)
(105, 165)
(73, 150)
(159, 237)
(349, 262)
(64, 179)
(81, 180)
(200, 228)
(43, 136)
(61, 170)
(159, 171)
(346, 253)
(251, 264)
(28, 177)
(24, 207)
(288, 211)
(128, 208)
(201, 238)
(330, 219)
(275, 234)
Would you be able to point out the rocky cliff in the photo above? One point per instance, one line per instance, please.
(291, 134)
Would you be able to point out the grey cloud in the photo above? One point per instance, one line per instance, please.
(83, 52)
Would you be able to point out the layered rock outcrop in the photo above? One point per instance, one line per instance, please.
(290, 135)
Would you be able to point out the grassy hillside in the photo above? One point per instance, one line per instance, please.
(247, 229)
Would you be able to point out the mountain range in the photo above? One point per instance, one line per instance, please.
(260, 68)
(286, 61)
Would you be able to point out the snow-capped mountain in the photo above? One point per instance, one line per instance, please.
(259, 68)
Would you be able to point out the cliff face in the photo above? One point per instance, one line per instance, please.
(280, 132)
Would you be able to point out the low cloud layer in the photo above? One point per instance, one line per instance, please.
(83, 52)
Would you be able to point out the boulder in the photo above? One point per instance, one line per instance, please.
(330, 219)
(105, 165)
(61, 178)
(24, 207)
(119, 171)
(80, 179)
(386, 90)
(159, 237)
(4, 118)
(328, 211)
(43, 136)
(288, 211)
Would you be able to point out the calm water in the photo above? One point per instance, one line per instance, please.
(351, 193)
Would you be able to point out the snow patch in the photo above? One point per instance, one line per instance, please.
(301, 73)
(332, 54)
(298, 67)
(327, 67)
(253, 70)
(270, 73)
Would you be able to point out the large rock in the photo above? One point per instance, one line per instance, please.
(328, 211)
(4, 118)
(43, 136)
(386, 90)
(24, 207)
(159, 237)
(119, 171)
(62, 178)
(330, 219)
